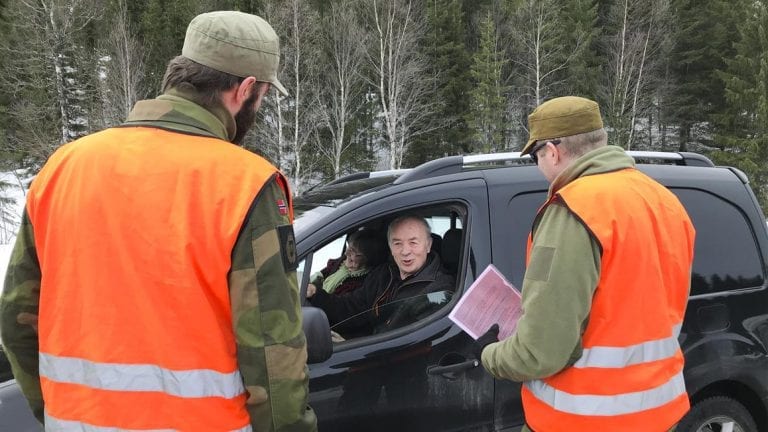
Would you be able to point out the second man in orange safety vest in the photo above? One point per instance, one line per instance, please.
(610, 248)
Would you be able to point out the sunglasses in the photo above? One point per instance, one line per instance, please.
(538, 147)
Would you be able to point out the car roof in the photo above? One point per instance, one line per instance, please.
(323, 201)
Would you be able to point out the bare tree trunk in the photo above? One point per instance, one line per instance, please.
(342, 83)
(55, 57)
(637, 87)
(48, 73)
(297, 95)
(403, 85)
(122, 69)
(290, 123)
(635, 55)
(541, 55)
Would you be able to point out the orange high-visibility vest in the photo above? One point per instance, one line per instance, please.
(134, 230)
(630, 375)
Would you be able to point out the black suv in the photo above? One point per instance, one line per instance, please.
(423, 376)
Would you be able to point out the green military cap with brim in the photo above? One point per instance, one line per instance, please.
(237, 43)
(562, 117)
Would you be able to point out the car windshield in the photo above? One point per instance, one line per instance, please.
(317, 203)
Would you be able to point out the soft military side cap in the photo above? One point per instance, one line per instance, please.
(237, 43)
(562, 117)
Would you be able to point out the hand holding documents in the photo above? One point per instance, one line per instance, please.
(490, 299)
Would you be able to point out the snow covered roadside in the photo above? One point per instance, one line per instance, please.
(13, 191)
(5, 256)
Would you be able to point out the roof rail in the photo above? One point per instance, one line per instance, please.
(433, 168)
(362, 175)
(680, 158)
(455, 164)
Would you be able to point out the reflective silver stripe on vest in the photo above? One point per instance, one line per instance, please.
(594, 405)
(193, 383)
(618, 357)
(54, 424)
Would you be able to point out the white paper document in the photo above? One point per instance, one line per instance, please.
(489, 300)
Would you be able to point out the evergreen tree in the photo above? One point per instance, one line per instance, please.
(162, 29)
(487, 97)
(703, 35)
(581, 74)
(449, 63)
(47, 75)
(742, 129)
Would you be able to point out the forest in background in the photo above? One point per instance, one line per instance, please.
(385, 84)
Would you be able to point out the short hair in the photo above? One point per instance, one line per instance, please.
(207, 82)
(400, 219)
(581, 144)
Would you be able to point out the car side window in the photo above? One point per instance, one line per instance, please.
(389, 303)
(726, 255)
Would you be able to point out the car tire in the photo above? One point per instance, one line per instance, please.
(717, 414)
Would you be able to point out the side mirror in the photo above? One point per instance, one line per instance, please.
(318, 334)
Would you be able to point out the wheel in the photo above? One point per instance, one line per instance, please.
(717, 414)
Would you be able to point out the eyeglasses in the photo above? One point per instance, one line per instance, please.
(538, 147)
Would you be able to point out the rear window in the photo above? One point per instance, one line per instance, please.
(726, 254)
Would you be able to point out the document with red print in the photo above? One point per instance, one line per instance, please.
(489, 300)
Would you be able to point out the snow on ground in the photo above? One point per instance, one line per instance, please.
(5, 255)
(15, 191)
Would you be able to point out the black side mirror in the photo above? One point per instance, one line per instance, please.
(318, 333)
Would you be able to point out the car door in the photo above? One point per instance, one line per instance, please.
(513, 208)
(422, 376)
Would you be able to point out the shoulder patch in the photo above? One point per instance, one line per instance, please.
(287, 247)
(282, 207)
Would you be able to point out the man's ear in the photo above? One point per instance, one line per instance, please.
(234, 98)
(244, 90)
(249, 87)
(557, 154)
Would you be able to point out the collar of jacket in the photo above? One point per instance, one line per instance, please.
(599, 161)
(181, 110)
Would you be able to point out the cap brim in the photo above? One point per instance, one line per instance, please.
(528, 147)
(279, 87)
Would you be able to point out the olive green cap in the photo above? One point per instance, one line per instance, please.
(562, 117)
(237, 43)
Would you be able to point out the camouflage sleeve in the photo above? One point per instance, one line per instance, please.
(18, 315)
(266, 313)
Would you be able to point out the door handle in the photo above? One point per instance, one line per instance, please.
(449, 371)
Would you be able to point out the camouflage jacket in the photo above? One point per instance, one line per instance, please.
(271, 347)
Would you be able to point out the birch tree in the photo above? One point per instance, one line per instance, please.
(539, 51)
(291, 123)
(634, 53)
(48, 73)
(121, 68)
(398, 74)
(341, 93)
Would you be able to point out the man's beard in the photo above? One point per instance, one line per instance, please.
(244, 119)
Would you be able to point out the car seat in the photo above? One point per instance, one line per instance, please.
(451, 249)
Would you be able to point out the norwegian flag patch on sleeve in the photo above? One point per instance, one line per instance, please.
(282, 207)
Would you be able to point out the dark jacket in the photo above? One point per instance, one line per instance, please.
(392, 302)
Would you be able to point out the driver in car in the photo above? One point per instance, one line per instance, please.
(393, 294)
